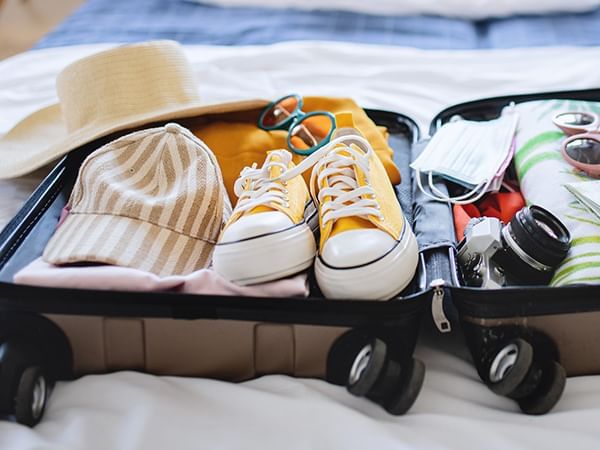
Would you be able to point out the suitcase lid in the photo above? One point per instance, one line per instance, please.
(510, 301)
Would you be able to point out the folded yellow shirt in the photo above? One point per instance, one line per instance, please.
(238, 142)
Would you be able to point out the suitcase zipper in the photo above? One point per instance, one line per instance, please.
(437, 306)
(498, 102)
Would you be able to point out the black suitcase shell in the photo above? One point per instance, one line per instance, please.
(27, 334)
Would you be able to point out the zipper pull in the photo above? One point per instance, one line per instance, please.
(437, 306)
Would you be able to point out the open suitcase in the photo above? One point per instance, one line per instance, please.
(49, 334)
(524, 340)
(532, 333)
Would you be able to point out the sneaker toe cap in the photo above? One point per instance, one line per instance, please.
(356, 247)
(254, 225)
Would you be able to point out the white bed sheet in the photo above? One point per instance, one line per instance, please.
(455, 410)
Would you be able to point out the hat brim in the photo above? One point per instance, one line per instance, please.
(127, 242)
(42, 136)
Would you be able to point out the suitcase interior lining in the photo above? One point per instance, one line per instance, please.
(25, 238)
(504, 302)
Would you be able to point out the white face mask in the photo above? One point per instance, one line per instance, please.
(472, 154)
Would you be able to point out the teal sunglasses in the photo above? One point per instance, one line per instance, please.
(307, 132)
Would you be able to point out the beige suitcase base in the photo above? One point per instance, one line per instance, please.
(223, 349)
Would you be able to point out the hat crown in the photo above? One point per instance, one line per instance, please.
(125, 82)
(163, 176)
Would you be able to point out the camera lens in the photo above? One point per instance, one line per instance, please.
(536, 242)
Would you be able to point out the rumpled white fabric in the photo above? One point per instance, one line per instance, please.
(469, 9)
(455, 410)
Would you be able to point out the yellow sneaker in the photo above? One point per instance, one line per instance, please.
(367, 250)
(267, 236)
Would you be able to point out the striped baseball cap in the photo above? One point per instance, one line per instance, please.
(152, 200)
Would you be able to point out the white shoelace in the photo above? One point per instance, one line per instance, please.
(334, 163)
(261, 189)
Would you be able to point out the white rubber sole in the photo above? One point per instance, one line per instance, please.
(266, 258)
(378, 280)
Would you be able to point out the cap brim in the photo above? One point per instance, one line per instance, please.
(42, 136)
(127, 242)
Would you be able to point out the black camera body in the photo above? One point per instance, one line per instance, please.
(526, 251)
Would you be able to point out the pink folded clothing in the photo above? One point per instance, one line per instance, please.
(107, 277)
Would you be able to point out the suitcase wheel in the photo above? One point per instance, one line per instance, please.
(548, 392)
(342, 354)
(31, 396)
(24, 381)
(515, 373)
(510, 367)
(390, 383)
(409, 388)
(368, 365)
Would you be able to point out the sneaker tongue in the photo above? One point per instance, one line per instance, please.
(351, 223)
(359, 176)
(274, 172)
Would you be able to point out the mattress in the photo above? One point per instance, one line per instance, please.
(128, 410)
(195, 23)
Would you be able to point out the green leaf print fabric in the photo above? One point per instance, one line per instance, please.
(543, 172)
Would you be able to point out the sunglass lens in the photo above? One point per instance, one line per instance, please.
(310, 131)
(280, 111)
(575, 119)
(584, 150)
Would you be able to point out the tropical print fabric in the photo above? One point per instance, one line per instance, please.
(543, 172)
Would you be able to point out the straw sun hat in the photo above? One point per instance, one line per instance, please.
(110, 91)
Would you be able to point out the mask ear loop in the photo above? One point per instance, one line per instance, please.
(469, 197)
(465, 198)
